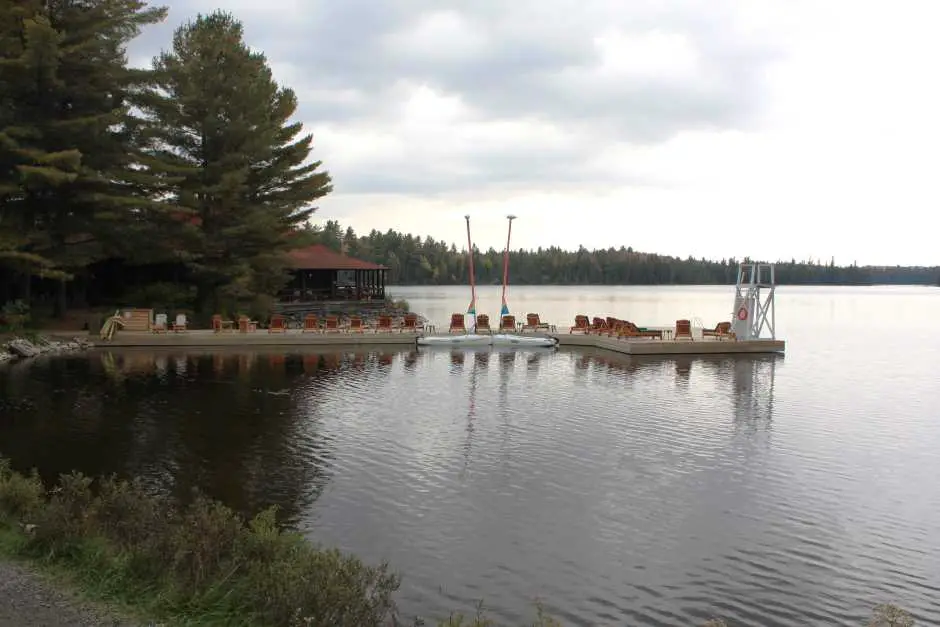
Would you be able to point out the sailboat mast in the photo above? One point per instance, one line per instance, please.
(473, 289)
(504, 311)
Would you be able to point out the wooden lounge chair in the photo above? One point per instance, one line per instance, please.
(613, 328)
(721, 331)
(409, 323)
(180, 323)
(159, 323)
(629, 330)
(533, 323)
(311, 324)
(355, 325)
(277, 324)
(457, 324)
(246, 324)
(331, 325)
(581, 325)
(598, 325)
(683, 329)
(507, 324)
(219, 325)
(383, 324)
(483, 324)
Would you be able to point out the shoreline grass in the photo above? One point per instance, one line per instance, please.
(197, 564)
(145, 556)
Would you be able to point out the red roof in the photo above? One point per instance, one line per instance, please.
(319, 257)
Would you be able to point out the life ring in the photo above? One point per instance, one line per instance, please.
(742, 313)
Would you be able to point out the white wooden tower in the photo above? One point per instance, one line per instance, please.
(754, 316)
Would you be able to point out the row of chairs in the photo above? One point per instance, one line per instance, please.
(161, 324)
(312, 323)
(624, 329)
(507, 324)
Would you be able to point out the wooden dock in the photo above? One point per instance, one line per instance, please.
(701, 346)
(295, 338)
(291, 337)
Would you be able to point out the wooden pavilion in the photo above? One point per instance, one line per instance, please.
(320, 273)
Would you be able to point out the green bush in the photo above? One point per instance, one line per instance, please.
(14, 316)
(399, 305)
(198, 563)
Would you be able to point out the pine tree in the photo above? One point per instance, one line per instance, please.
(220, 122)
(64, 143)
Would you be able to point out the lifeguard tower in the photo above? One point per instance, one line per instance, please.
(754, 313)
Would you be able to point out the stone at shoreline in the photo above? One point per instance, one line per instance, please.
(23, 348)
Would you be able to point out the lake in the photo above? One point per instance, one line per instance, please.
(616, 490)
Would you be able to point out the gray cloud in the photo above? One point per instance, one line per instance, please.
(521, 58)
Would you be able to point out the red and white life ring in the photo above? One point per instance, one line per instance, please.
(742, 313)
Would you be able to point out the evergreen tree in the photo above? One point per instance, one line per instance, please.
(64, 141)
(220, 124)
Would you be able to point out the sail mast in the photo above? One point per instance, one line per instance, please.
(472, 309)
(504, 311)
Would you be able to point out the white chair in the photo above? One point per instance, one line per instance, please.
(180, 324)
(159, 323)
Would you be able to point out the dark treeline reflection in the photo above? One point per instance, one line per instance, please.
(229, 424)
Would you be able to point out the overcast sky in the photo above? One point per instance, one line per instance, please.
(716, 128)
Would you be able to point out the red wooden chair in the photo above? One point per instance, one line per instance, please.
(507, 323)
(457, 324)
(683, 329)
(383, 324)
(311, 324)
(277, 324)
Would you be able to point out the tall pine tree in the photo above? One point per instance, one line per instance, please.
(65, 182)
(221, 125)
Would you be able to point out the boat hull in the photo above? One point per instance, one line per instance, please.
(469, 339)
(499, 339)
(506, 339)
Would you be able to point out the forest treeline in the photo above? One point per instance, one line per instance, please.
(415, 260)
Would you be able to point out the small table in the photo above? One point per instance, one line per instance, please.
(245, 325)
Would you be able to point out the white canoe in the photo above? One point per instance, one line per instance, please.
(500, 339)
(469, 339)
(505, 339)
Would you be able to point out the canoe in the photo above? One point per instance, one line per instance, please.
(506, 339)
(468, 339)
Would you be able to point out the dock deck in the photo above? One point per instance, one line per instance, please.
(211, 339)
(291, 337)
(702, 346)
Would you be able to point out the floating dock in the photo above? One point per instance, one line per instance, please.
(291, 337)
(295, 338)
(671, 347)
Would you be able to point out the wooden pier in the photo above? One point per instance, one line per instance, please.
(296, 338)
(702, 346)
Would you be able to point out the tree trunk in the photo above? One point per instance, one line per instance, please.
(205, 302)
(26, 285)
(61, 300)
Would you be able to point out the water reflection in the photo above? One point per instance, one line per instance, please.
(619, 489)
(480, 363)
(219, 422)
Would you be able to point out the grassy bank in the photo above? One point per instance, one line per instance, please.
(201, 564)
(194, 565)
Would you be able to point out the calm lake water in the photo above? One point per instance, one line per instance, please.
(769, 491)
